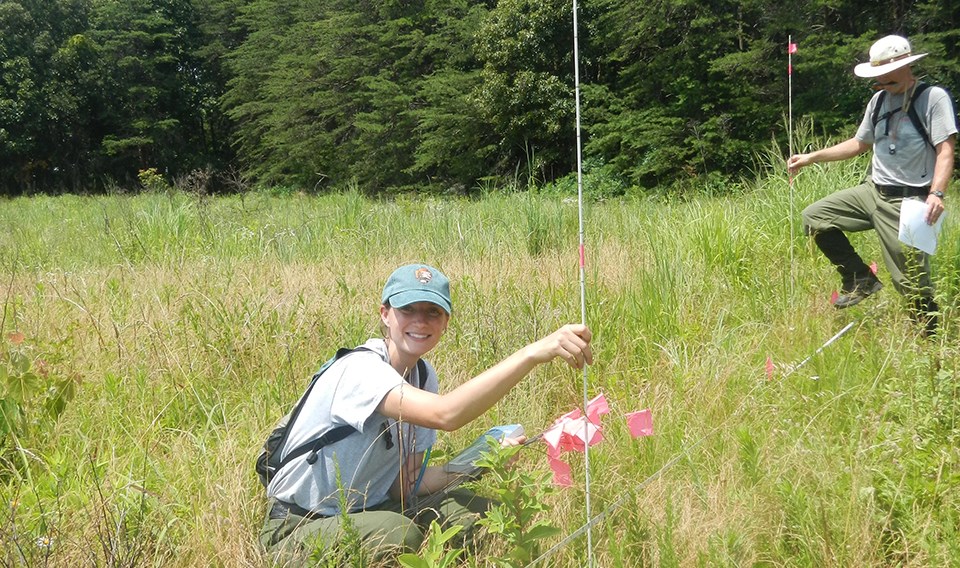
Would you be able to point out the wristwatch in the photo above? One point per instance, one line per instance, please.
(938, 193)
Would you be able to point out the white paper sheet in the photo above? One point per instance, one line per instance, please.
(914, 230)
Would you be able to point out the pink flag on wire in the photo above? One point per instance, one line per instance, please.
(561, 472)
(873, 267)
(573, 432)
(791, 48)
(834, 297)
(769, 368)
(640, 423)
(596, 407)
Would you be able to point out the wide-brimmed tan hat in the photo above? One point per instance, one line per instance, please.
(886, 55)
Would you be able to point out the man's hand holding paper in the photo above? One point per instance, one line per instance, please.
(914, 230)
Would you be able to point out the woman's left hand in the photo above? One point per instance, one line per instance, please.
(518, 441)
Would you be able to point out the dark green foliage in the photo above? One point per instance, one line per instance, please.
(455, 147)
(44, 58)
(95, 90)
(332, 92)
(155, 86)
(444, 95)
(526, 90)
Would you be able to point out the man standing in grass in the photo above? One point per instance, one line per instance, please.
(912, 129)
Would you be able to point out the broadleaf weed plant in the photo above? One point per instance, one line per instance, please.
(517, 518)
(33, 395)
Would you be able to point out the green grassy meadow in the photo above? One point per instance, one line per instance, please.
(151, 341)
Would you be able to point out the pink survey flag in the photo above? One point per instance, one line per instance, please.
(769, 368)
(561, 472)
(834, 297)
(791, 48)
(573, 432)
(640, 423)
(596, 407)
(873, 267)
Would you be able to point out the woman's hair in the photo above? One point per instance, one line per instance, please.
(383, 326)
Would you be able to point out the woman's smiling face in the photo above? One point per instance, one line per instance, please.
(414, 329)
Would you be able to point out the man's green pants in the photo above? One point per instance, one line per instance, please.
(862, 208)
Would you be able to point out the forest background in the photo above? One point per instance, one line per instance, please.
(448, 96)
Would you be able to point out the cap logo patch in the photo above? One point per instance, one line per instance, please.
(423, 275)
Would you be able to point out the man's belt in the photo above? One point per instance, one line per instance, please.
(902, 190)
(281, 509)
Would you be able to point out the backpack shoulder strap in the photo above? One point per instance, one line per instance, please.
(422, 372)
(876, 108)
(329, 437)
(312, 449)
(915, 117)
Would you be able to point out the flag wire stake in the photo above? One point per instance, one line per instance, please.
(583, 286)
(836, 336)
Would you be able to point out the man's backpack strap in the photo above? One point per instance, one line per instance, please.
(875, 118)
(915, 118)
(911, 113)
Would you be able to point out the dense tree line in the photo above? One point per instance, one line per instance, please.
(440, 94)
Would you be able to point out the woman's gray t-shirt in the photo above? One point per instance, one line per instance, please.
(369, 459)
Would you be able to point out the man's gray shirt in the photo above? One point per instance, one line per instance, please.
(913, 161)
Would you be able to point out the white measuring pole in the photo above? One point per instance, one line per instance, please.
(583, 279)
(790, 50)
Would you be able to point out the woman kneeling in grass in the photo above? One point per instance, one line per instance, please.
(377, 472)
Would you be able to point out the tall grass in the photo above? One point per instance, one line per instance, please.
(191, 325)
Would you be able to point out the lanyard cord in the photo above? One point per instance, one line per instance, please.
(401, 449)
(423, 470)
(904, 109)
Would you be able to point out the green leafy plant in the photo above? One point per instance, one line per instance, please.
(434, 553)
(32, 395)
(521, 498)
(151, 180)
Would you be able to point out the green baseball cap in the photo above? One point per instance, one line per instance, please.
(417, 283)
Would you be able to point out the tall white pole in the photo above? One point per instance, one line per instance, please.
(583, 279)
(790, 50)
